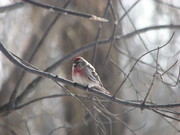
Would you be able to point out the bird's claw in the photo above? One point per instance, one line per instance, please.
(86, 88)
(56, 76)
(75, 84)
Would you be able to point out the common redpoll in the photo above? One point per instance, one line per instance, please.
(84, 73)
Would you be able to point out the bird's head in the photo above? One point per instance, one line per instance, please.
(79, 62)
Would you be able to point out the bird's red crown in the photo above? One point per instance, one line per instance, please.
(76, 58)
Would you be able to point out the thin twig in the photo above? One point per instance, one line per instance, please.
(151, 85)
(173, 126)
(60, 127)
(26, 124)
(177, 80)
(169, 111)
(39, 99)
(124, 15)
(169, 68)
(153, 80)
(167, 116)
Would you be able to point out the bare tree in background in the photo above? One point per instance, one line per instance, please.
(137, 60)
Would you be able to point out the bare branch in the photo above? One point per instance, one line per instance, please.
(85, 48)
(128, 11)
(70, 83)
(98, 34)
(65, 11)
(138, 61)
(16, 88)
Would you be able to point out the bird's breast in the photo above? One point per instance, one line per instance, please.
(79, 76)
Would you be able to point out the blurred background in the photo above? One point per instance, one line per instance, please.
(49, 40)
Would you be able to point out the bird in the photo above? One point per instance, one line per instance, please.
(85, 74)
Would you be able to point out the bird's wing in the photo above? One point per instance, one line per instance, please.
(93, 76)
